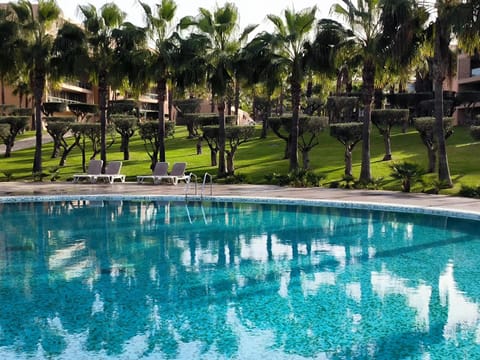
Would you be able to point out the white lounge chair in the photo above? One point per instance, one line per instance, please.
(177, 174)
(94, 169)
(161, 169)
(112, 172)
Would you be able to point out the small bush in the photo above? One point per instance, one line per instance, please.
(236, 179)
(39, 176)
(278, 179)
(470, 191)
(408, 173)
(54, 173)
(300, 178)
(8, 175)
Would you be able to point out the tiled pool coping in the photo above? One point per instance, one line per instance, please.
(359, 205)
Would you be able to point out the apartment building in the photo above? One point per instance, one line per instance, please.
(468, 80)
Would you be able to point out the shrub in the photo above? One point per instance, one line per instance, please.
(300, 178)
(409, 173)
(236, 179)
(470, 191)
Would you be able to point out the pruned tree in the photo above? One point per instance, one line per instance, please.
(309, 136)
(195, 121)
(210, 135)
(349, 134)
(123, 107)
(16, 124)
(475, 129)
(188, 112)
(57, 128)
(309, 129)
(236, 135)
(342, 109)
(81, 110)
(125, 125)
(149, 134)
(426, 128)
(280, 127)
(90, 134)
(50, 108)
(385, 120)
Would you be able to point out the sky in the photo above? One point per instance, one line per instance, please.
(251, 11)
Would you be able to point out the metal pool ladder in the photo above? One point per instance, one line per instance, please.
(187, 185)
(205, 178)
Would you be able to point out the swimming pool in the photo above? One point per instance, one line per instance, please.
(155, 278)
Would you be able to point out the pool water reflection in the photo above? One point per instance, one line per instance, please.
(175, 280)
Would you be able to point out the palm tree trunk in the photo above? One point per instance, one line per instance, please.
(39, 86)
(102, 93)
(161, 91)
(221, 138)
(439, 66)
(2, 84)
(237, 98)
(368, 75)
(296, 91)
(230, 162)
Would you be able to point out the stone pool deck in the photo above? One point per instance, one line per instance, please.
(435, 202)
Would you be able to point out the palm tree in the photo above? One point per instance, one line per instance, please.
(462, 19)
(219, 28)
(36, 26)
(262, 70)
(8, 44)
(160, 30)
(100, 29)
(382, 30)
(289, 40)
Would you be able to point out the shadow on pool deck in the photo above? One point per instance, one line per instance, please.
(442, 202)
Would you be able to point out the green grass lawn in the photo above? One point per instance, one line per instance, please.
(260, 157)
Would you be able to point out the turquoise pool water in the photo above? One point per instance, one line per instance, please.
(217, 280)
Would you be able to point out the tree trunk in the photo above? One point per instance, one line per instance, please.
(65, 153)
(440, 58)
(56, 148)
(432, 159)
(296, 93)
(39, 86)
(126, 152)
(265, 115)
(213, 157)
(221, 138)
(286, 155)
(348, 161)
(8, 149)
(230, 162)
(2, 84)
(103, 99)
(161, 91)
(306, 159)
(368, 75)
(388, 146)
(236, 102)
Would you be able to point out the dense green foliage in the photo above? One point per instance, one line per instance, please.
(260, 157)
